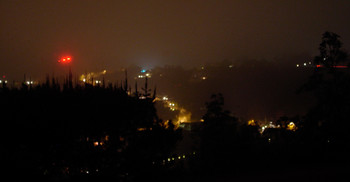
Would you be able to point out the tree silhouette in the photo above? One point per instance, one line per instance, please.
(327, 120)
(69, 133)
(219, 132)
(331, 53)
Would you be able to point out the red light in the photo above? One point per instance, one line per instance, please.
(340, 66)
(68, 59)
(320, 66)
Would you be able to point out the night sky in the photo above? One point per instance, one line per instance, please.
(112, 34)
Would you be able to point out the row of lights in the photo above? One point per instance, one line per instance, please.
(170, 159)
(305, 64)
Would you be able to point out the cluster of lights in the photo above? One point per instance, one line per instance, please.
(291, 126)
(65, 60)
(30, 82)
(304, 64)
(5, 81)
(172, 159)
(148, 75)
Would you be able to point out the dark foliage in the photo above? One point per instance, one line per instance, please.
(81, 132)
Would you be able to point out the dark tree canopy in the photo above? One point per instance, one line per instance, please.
(331, 53)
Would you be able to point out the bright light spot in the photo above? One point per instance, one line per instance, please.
(96, 143)
(251, 122)
(173, 158)
(169, 159)
(183, 156)
(64, 59)
(291, 126)
(143, 71)
(68, 59)
(184, 116)
(141, 129)
(201, 120)
(204, 78)
(84, 80)
(179, 157)
(297, 65)
(304, 64)
(165, 98)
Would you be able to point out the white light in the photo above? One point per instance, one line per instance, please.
(84, 80)
(28, 82)
(304, 64)
(297, 65)
(0, 81)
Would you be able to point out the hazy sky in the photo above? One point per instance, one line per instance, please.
(97, 34)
